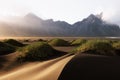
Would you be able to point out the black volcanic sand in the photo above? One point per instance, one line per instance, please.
(92, 67)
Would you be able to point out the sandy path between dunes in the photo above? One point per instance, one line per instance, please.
(47, 70)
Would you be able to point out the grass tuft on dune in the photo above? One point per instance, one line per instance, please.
(117, 47)
(6, 48)
(78, 42)
(41, 40)
(14, 42)
(97, 47)
(58, 42)
(36, 52)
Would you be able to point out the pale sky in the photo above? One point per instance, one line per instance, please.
(65, 10)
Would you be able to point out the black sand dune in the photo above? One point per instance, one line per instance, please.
(92, 67)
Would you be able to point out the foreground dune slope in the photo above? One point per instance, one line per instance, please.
(47, 70)
(92, 67)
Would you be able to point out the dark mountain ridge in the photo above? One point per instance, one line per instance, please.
(32, 25)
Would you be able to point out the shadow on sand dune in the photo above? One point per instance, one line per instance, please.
(92, 67)
(2, 61)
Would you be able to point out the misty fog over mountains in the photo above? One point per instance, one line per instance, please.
(32, 25)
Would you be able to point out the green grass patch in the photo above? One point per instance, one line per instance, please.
(6, 48)
(14, 42)
(41, 40)
(36, 52)
(117, 47)
(78, 42)
(58, 42)
(98, 47)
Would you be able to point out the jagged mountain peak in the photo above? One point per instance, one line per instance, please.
(98, 16)
(91, 19)
(91, 16)
(94, 18)
(32, 16)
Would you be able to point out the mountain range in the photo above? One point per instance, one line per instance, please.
(32, 25)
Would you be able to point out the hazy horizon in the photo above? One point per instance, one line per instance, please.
(70, 11)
